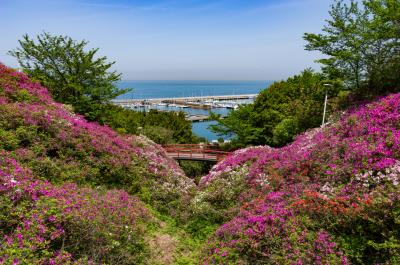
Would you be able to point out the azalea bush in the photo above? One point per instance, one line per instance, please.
(216, 204)
(60, 146)
(46, 224)
(330, 197)
(266, 230)
(61, 181)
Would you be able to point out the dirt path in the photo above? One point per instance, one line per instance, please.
(162, 247)
(169, 245)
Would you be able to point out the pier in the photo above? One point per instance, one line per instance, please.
(199, 117)
(185, 100)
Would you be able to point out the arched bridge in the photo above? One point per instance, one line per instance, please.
(196, 152)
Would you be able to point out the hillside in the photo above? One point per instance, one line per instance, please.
(74, 192)
(330, 197)
(60, 175)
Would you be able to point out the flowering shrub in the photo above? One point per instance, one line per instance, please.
(61, 146)
(330, 197)
(59, 180)
(216, 204)
(267, 230)
(46, 224)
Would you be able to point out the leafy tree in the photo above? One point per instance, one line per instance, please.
(362, 45)
(237, 125)
(361, 42)
(72, 73)
(280, 112)
(161, 127)
(75, 75)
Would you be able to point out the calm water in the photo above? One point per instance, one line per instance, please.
(168, 89)
(201, 129)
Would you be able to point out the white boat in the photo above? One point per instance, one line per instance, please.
(228, 106)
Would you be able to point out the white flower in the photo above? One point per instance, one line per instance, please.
(327, 188)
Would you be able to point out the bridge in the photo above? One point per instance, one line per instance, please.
(196, 152)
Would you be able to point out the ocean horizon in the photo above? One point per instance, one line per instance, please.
(146, 89)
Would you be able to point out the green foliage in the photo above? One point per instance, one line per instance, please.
(75, 75)
(8, 140)
(159, 134)
(284, 131)
(219, 201)
(375, 231)
(200, 228)
(238, 125)
(195, 169)
(362, 45)
(21, 96)
(188, 239)
(161, 127)
(46, 151)
(72, 73)
(280, 112)
(125, 244)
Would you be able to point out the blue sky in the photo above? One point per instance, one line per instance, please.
(177, 39)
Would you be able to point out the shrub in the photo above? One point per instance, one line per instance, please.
(46, 224)
(338, 184)
(61, 146)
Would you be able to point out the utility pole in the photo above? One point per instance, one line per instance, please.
(326, 101)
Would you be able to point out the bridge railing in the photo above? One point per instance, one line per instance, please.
(195, 151)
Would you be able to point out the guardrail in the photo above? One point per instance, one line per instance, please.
(195, 152)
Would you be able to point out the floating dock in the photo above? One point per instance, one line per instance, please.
(197, 118)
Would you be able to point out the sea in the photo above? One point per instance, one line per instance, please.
(169, 88)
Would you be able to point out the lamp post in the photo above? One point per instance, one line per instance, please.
(326, 101)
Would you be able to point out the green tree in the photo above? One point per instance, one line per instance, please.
(280, 112)
(362, 45)
(73, 73)
(161, 127)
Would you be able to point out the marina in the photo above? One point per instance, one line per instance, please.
(194, 98)
(196, 108)
(203, 102)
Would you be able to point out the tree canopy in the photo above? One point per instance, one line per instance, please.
(361, 43)
(280, 112)
(161, 127)
(75, 75)
(72, 72)
(361, 48)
